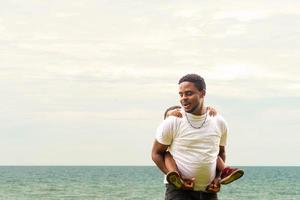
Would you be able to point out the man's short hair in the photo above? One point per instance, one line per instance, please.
(196, 79)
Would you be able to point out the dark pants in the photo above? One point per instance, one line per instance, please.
(176, 194)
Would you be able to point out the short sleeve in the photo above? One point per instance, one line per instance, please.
(164, 133)
(224, 131)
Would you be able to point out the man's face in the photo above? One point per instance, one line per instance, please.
(190, 97)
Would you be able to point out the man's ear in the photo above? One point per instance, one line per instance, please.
(203, 92)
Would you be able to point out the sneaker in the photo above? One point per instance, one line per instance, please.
(229, 175)
(174, 179)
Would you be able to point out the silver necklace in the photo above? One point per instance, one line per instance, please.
(191, 123)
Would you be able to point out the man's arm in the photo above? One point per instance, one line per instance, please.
(222, 153)
(158, 151)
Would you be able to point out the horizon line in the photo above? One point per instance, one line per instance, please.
(134, 165)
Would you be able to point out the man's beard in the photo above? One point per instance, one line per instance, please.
(193, 109)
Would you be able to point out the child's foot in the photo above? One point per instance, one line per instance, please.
(229, 175)
(174, 179)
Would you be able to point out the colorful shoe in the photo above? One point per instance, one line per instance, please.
(174, 179)
(229, 175)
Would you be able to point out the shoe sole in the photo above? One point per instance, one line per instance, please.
(234, 176)
(174, 179)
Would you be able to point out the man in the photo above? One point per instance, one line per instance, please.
(195, 141)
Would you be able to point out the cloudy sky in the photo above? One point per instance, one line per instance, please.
(87, 82)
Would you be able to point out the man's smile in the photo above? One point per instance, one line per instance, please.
(186, 105)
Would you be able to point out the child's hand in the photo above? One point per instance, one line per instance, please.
(212, 111)
(175, 112)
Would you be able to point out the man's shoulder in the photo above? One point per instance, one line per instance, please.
(219, 119)
(172, 122)
(168, 129)
(221, 123)
(173, 119)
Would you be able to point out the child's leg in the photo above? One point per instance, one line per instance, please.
(228, 174)
(173, 176)
(220, 164)
(170, 162)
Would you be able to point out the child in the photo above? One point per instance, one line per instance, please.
(228, 174)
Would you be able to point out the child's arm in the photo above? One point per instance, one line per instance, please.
(176, 112)
(212, 111)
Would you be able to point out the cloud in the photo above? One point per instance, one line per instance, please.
(88, 65)
(95, 116)
(242, 16)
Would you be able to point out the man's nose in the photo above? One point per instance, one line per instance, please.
(183, 97)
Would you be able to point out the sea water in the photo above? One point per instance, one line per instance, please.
(135, 182)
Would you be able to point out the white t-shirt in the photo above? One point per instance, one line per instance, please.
(194, 150)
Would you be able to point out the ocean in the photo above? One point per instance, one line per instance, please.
(134, 182)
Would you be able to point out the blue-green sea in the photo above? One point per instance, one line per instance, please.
(135, 182)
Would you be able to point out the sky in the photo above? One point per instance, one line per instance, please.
(87, 82)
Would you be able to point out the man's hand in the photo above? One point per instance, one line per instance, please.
(188, 184)
(174, 178)
(214, 186)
